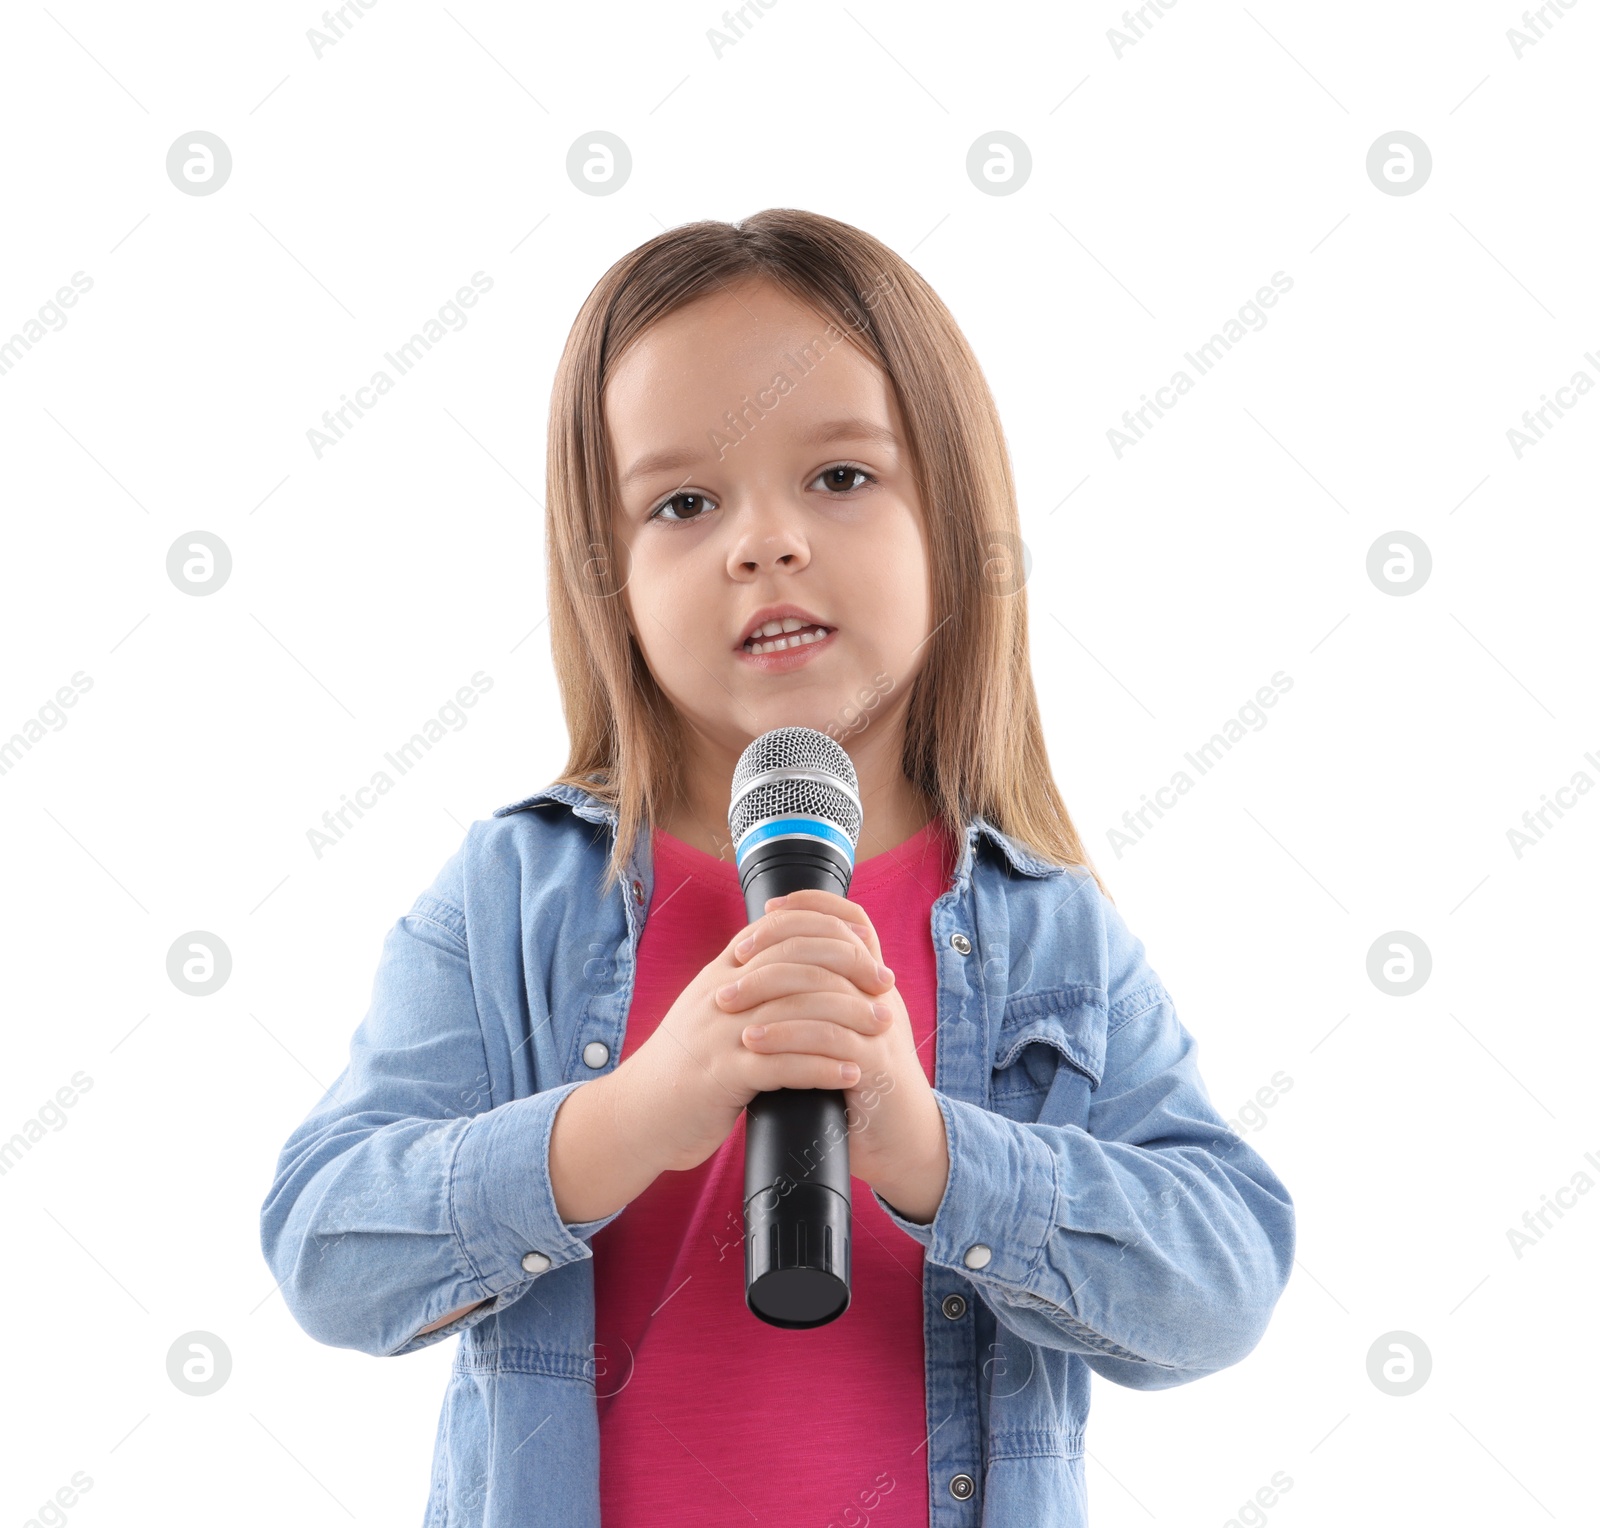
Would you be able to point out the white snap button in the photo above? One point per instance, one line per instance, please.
(962, 1487)
(977, 1256)
(596, 1053)
(960, 944)
(534, 1262)
(638, 892)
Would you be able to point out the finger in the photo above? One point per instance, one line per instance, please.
(780, 904)
(856, 1012)
(730, 950)
(820, 901)
(767, 982)
(783, 923)
(809, 1037)
(831, 902)
(851, 961)
(797, 1071)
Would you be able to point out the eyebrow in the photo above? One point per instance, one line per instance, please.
(853, 428)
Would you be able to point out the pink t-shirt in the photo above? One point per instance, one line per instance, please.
(707, 1414)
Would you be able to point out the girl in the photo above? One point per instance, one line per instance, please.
(778, 495)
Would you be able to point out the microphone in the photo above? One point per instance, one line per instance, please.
(795, 818)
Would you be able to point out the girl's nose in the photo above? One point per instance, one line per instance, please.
(768, 539)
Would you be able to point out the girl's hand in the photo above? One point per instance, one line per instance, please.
(897, 1136)
(691, 1080)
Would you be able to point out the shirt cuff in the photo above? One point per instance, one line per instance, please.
(502, 1207)
(999, 1204)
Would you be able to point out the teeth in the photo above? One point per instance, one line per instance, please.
(785, 639)
(775, 627)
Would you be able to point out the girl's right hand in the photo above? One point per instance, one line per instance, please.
(693, 1077)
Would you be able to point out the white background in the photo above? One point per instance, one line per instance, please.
(1167, 185)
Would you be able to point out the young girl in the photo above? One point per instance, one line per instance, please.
(778, 494)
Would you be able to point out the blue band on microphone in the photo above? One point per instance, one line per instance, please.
(796, 827)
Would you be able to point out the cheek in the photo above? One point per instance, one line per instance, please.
(660, 610)
(902, 586)
(673, 629)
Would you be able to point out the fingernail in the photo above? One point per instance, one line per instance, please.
(855, 928)
(884, 973)
(777, 901)
(755, 1031)
(849, 1071)
(726, 994)
(880, 1011)
(743, 946)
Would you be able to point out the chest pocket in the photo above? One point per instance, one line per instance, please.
(1050, 1050)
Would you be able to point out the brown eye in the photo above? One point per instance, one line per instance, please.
(696, 500)
(839, 478)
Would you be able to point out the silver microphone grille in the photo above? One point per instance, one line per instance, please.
(795, 772)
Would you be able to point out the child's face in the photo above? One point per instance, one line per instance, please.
(758, 511)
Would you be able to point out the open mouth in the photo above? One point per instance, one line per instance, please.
(781, 636)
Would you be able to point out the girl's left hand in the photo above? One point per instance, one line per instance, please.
(896, 1130)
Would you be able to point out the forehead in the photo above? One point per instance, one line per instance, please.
(750, 349)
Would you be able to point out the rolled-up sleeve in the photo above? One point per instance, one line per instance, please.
(1154, 1242)
(403, 1195)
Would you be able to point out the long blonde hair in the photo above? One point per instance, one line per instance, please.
(973, 739)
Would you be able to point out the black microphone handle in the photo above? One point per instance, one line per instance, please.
(797, 1147)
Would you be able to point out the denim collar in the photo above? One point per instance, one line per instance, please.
(587, 806)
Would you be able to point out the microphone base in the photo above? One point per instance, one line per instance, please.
(797, 1255)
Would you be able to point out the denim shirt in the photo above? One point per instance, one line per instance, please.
(1098, 1213)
